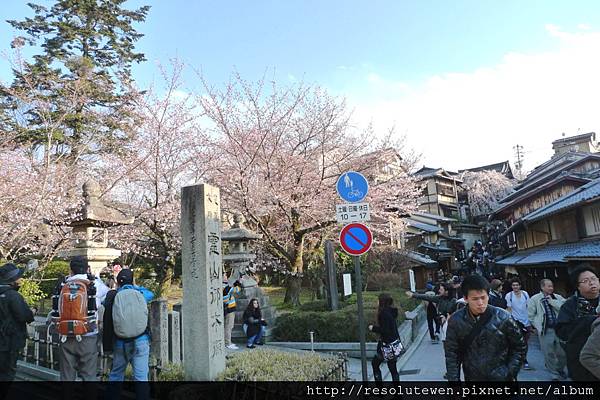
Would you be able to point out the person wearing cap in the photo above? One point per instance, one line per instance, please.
(15, 314)
(125, 351)
(78, 356)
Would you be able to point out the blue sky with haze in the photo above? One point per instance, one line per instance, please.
(477, 77)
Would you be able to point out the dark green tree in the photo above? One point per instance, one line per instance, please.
(76, 97)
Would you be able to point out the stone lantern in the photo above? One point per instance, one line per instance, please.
(90, 227)
(239, 258)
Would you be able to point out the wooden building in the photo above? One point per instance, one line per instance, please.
(550, 216)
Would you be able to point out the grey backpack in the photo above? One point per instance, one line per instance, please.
(130, 314)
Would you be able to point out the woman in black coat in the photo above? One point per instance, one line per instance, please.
(254, 324)
(388, 331)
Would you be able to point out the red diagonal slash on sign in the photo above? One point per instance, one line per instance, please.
(355, 238)
(345, 234)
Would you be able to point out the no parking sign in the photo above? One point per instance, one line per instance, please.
(356, 239)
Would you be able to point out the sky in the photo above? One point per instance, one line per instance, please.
(464, 80)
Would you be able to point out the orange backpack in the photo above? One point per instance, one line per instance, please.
(73, 316)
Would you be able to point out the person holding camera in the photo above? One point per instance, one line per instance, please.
(574, 321)
(254, 324)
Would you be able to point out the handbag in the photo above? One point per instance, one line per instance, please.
(392, 350)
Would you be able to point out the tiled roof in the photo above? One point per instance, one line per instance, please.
(528, 194)
(589, 135)
(421, 259)
(592, 250)
(552, 172)
(423, 226)
(558, 253)
(587, 192)
(427, 172)
(501, 167)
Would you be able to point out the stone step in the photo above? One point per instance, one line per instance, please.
(237, 334)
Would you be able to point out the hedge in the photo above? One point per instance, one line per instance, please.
(272, 365)
(332, 326)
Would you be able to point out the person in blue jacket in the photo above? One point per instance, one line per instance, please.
(125, 351)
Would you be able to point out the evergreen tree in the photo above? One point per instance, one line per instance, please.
(75, 97)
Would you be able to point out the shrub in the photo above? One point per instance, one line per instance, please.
(271, 365)
(332, 326)
(30, 290)
(171, 372)
(384, 281)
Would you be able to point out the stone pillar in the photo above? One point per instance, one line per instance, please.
(174, 338)
(332, 291)
(159, 328)
(202, 287)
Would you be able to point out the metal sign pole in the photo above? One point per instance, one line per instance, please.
(361, 319)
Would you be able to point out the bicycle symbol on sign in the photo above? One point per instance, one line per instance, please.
(355, 193)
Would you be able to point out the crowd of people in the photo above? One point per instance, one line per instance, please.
(485, 326)
(87, 312)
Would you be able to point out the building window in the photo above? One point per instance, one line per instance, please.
(596, 218)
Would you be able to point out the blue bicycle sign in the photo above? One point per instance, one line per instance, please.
(352, 186)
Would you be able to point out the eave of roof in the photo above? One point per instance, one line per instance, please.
(539, 189)
(551, 174)
(587, 193)
(555, 253)
(423, 226)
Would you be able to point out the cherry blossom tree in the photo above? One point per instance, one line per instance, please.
(168, 151)
(280, 152)
(485, 189)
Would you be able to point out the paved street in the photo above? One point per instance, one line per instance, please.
(426, 362)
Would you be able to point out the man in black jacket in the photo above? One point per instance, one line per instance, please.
(14, 317)
(574, 321)
(484, 339)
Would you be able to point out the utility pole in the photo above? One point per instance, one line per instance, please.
(519, 163)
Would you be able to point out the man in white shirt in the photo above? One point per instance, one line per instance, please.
(516, 301)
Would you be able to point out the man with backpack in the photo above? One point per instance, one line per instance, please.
(516, 304)
(126, 333)
(14, 317)
(74, 317)
(483, 339)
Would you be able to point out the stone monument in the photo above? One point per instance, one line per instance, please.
(238, 258)
(202, 308)
(90, 228)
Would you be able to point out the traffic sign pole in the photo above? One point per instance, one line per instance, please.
(356, 239)
(361, 319)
